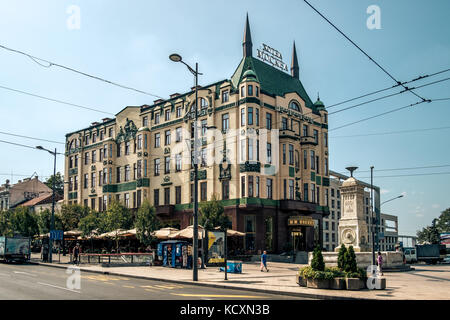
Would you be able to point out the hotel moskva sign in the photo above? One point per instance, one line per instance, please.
(272, 56)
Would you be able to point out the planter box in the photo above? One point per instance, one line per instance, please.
(318, 283)
(300, 281)
(337, 284)
(354, 284)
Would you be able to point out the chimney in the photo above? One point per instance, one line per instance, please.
(174, 95)
(158, 101)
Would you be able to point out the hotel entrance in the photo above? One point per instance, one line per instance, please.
(298, 228)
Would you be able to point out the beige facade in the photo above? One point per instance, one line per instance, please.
(263, 153)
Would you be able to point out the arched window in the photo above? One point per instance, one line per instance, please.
(294, 106)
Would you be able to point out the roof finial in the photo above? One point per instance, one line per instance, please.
(294, 64)
(247, 44)
(318, 98)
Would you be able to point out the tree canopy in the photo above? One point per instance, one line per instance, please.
(431, 234)
(212, 215)
(59, 183)
(146, 222)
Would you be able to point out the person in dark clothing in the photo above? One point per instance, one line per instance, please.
(76, 254)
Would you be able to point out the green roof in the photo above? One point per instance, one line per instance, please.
(272, 80)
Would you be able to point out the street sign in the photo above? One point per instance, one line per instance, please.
(56, 234)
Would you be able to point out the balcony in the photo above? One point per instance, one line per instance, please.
(297, 205)
(164, 211)
(288, 134)
(305, 140)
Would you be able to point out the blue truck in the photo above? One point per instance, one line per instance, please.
(15, 249)
(428, 253)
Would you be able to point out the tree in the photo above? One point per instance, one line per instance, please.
(341, 257)
(443, 223)
(5, 223)
(317, 262)
(212, 215)
(350, 260)
(44, 221)
(59, 183)
(93, 221)
(146, 222)
(429, 234)
(71, 214)
(24, 222)
(118, 217)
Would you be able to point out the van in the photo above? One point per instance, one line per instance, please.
(410, 255)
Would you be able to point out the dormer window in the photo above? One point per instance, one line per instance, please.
(225, 96)
(167, 114)
(203, 103)
(157, 117)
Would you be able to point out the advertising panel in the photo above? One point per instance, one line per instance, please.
(216, 248)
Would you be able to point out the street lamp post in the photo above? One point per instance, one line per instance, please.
(177, 58)
(372, 227)
(52, 220)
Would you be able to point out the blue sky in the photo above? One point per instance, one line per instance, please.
(129, 42)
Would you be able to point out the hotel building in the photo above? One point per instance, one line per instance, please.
(267, 139)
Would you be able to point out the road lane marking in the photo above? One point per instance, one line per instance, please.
(51, 285)
(217, 295)
(25, 273)
(150, 290)
(132, 287)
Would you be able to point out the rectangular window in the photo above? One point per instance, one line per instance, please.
(313, 160)
(284, 154)
(269, 188)
(203, 191)
(110, 150)
(243, 153)
(318, 195)
(250, 115)
(316, 136)
(250, 149)
(178, 135)
(269, 152)
(157, 117)
(325, 139)
(327, 200)
(291, 154)
(157, 140)
(250, 186)
(167, 164)
(225, 189)
(76, 161)
(145, 121)
(118, 150)
(178, 195)
(305, 159)
(284, 189)
(242, 91)
(139, 169)
(313, 192)
(257, 116)
(268, 121)
(166, 196)
(284, 123)
(86, 158)
(156, 197)
(250, 232)
(127, 148)
(225, 96)
(326, 166)
(100, 178)
(250, 90)
(86, 181)
(167, 115)
(167, 138)
(127, 173)
(93, 203)
(225, 122)
(178, 162)
(94, 156)
(291, 189)
(117, 174)
(257, 91)
(243, 186)
(305, 130)
(257, 187)
(139, 141)
(204, 125)
(317, 164)
(242, 117)
(305, 192)
(93, 180)
(179, 112)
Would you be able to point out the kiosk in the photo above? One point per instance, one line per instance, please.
(174, 253)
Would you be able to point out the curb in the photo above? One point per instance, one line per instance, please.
(211, 285)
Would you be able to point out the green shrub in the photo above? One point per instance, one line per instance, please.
(317, 262)
(341, 257)
(303, 271)
(337, 273)
(350, 261)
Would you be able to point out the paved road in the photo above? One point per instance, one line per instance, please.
(30, 282)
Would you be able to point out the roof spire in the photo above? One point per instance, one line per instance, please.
(294, 64)
(247, 44)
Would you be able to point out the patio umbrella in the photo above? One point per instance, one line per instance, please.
(128, 233)
(187, 233)
(232, 233)
(164, 233)
(72, 234)
(111, 234)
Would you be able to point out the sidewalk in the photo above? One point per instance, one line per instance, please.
(425, 282)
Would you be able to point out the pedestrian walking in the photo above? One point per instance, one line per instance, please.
(76, 254)
(264, 261)
(380, 263)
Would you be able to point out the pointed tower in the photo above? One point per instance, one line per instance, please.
(294, 64)
(247, 44)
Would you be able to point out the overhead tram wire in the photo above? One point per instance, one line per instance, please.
(33, 138)
(367, 55)
(55, 100)
(51, 64)
(408, 175)
(410, 168)
(388, 96)
(390, 132)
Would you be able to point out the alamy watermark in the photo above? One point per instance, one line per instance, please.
(374, 20)
(73, 281)
(73, 22)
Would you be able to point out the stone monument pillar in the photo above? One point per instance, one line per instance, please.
(353, 229)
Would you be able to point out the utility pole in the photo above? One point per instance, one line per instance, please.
(372, 218)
